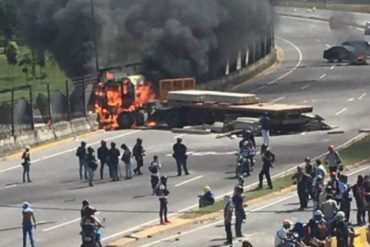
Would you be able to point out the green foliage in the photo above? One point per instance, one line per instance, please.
(11, 53)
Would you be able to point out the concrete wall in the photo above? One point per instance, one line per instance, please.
(47, 134)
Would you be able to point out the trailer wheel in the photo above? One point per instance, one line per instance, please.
(126, 120)
(174, 120)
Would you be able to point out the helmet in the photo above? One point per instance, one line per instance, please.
(319, 177)
(207, 189)
(85, 202)
(83, 143)
(139, 140)
(340, 216)
(318, 215)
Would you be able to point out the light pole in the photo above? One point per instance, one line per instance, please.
(92, 5)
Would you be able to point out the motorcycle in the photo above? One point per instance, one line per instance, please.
(91, 236)
(243, 165)
(293, 240)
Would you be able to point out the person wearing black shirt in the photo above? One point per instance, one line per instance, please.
(26, 156)
(179, 153)
(240, 215)
(81, 154)
(114, 155)
(138, 152)
(268, 158)
(103, 154)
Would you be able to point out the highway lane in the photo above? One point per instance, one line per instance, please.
(57, 192)
(263, 220)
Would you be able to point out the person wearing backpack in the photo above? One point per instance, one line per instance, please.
(126, 158)
(154, 169)
(162, 192)
(91, 165)
(81, 154)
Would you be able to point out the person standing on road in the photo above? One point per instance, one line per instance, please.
(320, 170)
(268, 158)
(179, 153)
(162, 192)
(240, 216)
(332, 159)
(228, 215)
(265, 123)
(360, 197)
(303, 182)
(310, 169)
(27, 219)
(126, 158)
(91, 165)
(154, 169)
(103, 155)
(317, 189)
(81, 154)
(114, 155)
(139, 153)
(26, 164)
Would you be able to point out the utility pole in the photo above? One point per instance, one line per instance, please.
(92, 5)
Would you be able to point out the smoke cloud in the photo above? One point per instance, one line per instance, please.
(170, 37)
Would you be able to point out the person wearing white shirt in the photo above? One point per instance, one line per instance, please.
(282, 234)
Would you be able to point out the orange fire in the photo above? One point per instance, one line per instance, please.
(121, 98)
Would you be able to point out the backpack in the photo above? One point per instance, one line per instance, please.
(153, 169)
(126, 156)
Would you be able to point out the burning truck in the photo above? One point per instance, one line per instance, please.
(128, 101)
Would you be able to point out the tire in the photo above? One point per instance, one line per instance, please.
(126, 120)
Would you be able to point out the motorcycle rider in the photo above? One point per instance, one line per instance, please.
(248, 136)
(281, 236)
(90, 224)
(245, 158)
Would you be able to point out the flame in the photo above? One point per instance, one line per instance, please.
(111, 101)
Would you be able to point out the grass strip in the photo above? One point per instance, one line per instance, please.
(355, 153)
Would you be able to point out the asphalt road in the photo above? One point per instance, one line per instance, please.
(339, 93)
(263, 220)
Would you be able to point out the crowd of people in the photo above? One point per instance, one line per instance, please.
(110, 158)
(331, 202)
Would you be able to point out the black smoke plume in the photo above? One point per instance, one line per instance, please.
(171, 37)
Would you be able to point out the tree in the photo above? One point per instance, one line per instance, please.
(11, 53)
(40, 60)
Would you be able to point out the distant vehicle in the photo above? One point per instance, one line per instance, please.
(359, 45)
(367, 28)
(344, 54)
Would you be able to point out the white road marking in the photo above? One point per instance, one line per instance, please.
(8, 186)
(70, 150)
(305, 101)
(303, 133)
(362, 96)
(332, 67)
(305, 86)
(350, 99)
(63, 224)
(135, 228)
(289, 196)
(188, 181)
(341, 111)
(278, 99)
(258, 89)
(179, 136)
(300, 58)
(322, 76)
(207, 153)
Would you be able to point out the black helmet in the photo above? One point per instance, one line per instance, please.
(139, 140)
(83, 143)
(85, 202)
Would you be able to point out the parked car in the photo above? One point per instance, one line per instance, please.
(367, 28)
(344, 54)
